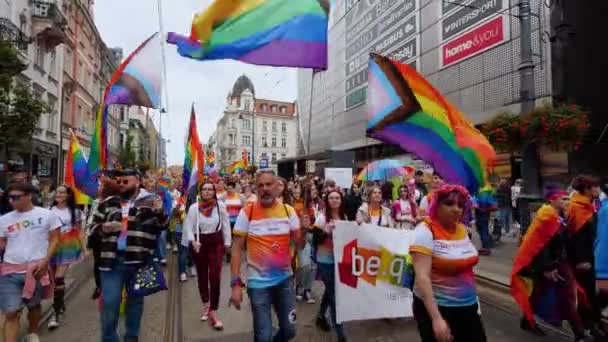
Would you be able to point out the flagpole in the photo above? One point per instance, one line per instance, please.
(164, 71)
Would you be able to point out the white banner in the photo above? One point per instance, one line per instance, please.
(373, 272)
(342, 176)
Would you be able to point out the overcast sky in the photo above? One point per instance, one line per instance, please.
(126, 24)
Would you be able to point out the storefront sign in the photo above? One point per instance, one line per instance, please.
(398, 34)
(356, 80)
(355, 98)
(469, 16)
(474, 42)
(391, 11)
(449, 5)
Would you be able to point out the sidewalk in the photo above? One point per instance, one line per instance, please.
(497, 267)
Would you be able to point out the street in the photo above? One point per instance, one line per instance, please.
(82, 320)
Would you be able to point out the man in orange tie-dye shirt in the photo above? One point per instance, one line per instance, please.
(268, 227)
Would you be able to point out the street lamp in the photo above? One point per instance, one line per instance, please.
(252, 136)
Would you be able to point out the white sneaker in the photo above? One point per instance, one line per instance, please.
(175, 249)
(206, 311)
(163, 261)
(54, 322)
(183, 277)
(169, 246)
(32, 338)
(309, 298)
(193, 272)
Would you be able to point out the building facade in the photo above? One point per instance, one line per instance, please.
(146, 141)
(265, 129)
(37, 29)
(469, 50)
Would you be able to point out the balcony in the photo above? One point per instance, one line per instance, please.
(48, 23)
(9, 32)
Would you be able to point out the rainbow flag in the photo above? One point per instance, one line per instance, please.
(76, 167)
(236, 167)
(164, 185)
(264, 32)
(137, 82)
(404, 109)
(245, 159)
(211, 159)
(194, 160)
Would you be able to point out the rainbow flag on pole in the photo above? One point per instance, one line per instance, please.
(404, 109)
(137, 82)
(76, 167)
(194, 160)
(264, 32)
(236, 167)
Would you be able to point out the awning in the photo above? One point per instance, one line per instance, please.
(359, 143)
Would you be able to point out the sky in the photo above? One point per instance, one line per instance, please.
(126, 24)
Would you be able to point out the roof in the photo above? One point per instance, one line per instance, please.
(290, 108)
(242, 83)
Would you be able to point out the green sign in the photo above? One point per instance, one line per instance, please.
(356, 98)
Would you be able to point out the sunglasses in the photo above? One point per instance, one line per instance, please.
(15, 197)
(120, 181)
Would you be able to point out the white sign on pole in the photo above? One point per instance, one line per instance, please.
(342, 176)
(373, 272)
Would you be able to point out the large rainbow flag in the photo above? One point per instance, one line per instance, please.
(194, 160)
(404, 109)
(76, 167)
(236, 167)
(264, 32)
(137, 82)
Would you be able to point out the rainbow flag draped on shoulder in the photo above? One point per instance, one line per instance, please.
(194, 160)
(264, 32)
(404, 109)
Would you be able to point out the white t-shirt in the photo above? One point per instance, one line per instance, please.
(27, 234)
(65, 218)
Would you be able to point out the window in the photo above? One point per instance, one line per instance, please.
(283, 109)
(283, 142)
(274, 141)
(247, 105)
(246, 124)
(264, 126)
(122, 114)
(284, 127)
(233, 123)
(273, 108)
(53, 66)
(283, 156)
(264, 142)
(246, 140)
(122, 139)
(67, 61)
(80, 71)
(274, 157)
(52, 102)
(274, 126)
(230, 139)
(39, 57)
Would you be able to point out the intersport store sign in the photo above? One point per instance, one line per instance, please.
(476, 41)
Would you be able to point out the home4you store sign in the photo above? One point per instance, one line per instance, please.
(475, 41)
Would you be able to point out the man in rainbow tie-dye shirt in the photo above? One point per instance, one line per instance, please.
(268, 227)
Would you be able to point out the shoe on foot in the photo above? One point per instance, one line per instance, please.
(168, 246)
(299, 297)
(485, 251)
(322, 323)
(53, 322)
(309, 297)
(163, 261)
(175, 249)
(536, 330)
(96, 293)
(193, 272)
(183, 277)
(206, 311)
(214, 322)
(32, 338)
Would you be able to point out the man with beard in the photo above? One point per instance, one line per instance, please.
(268, 226)
(130, 224)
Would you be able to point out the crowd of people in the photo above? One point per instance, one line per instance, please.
(282, 230)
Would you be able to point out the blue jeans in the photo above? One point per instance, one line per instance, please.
(328, 276)
(182, 253)
(482, 220)
(504, 215)
(282, 298)
(161, 246)
(112, 284)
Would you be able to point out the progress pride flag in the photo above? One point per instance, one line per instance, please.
(479, 39)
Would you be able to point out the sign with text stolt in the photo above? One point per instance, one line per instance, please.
(373, 272)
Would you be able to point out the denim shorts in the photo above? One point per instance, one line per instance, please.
(11, 289)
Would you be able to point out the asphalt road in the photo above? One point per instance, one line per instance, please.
(82, 320)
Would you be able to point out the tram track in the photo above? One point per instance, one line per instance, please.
(173, 329)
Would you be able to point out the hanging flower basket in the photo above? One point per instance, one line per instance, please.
(560, 128)
(504, 132)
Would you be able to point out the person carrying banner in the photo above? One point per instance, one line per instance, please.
(268, 227)
(542, 281)
(323, 241)
(445, 305)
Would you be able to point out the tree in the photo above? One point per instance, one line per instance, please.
(126, 155)
(20, 109)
